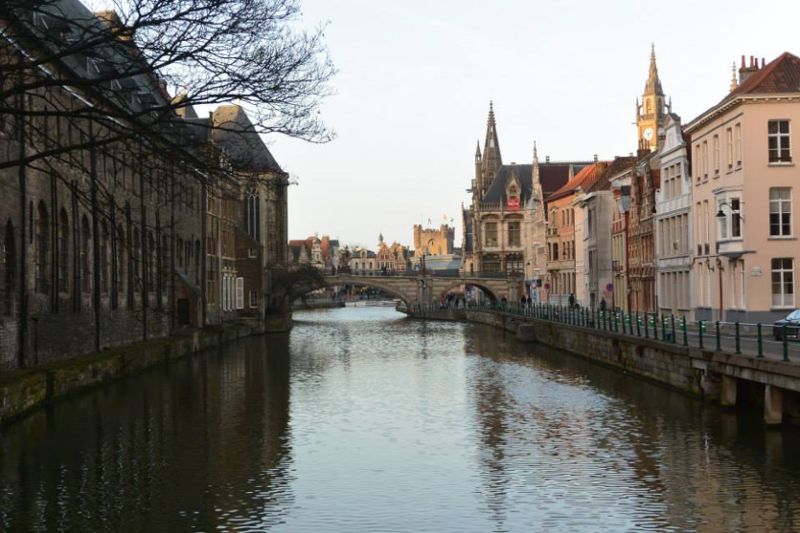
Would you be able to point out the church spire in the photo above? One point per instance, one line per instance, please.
(734, 83)
(491, 132)
(653, 85)
(491, 160)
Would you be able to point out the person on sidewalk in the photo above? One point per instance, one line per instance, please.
(571, 300)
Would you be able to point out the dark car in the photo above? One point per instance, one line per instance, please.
(792, 323)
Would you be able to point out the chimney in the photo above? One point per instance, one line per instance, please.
(745, 71)
(547, 159)
(595, 158)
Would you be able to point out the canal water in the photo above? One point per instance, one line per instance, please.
(361, 420)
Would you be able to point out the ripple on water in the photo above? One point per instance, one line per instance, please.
(362, 420)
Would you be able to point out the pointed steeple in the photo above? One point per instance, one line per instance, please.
(491, 132)
(491, 160)
(653, 85)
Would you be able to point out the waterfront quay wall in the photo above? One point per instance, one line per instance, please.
(24, 390)
(717, 376)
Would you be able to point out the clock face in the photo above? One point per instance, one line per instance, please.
(648, 134)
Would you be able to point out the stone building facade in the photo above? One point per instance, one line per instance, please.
(744, 180)
(429, 241)
(500, 236)
(674, 224)
(107, 243)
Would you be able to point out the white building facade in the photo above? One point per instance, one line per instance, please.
(673, 231)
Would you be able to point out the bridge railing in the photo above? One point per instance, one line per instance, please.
(451, 273)
(756, 340)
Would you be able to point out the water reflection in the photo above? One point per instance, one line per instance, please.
(198, 446)
(362, 420)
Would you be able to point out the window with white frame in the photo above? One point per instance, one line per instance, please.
(716, 155)
(705, 159)
(780, 211)
(723, 221)
(239, 293)
(729, 147)
(738, 131)
(697, 166)
(783, 282)
(778, 137)
(736, 218)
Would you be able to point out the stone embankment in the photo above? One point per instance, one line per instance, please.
(732, 380)
(24, 390)
(317, 304)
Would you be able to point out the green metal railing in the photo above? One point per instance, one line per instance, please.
(734, 337)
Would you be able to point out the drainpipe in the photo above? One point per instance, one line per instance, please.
(719, 267)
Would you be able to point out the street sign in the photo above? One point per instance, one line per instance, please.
(610, 287)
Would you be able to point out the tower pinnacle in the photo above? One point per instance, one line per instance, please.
(653, 85)
(734, 83)
(491, 147)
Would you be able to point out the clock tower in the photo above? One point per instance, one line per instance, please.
(651, 113)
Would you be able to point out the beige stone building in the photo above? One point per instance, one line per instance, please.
(429, 241)
(505, 223)
(744, 180)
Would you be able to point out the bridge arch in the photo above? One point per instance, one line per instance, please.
(373, 283)
(491, 293)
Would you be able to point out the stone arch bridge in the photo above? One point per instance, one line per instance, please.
(419, 289)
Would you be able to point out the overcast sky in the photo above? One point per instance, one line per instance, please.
(415, 79)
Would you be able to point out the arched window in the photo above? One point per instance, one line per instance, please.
(152, 251)
(63, 251)
(197, 260)
(86, 246)
(514, 263)
(135, 253)
(122, 260)
(8, 268)
(42, 234)
(163, 269)
(252, 214)
(491, 263)
(104, 245)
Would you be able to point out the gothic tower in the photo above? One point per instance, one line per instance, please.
(491, 160)
(651, 114)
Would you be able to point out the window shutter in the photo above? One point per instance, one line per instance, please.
(239, 293)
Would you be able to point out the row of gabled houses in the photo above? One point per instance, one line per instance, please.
(107, 243)
(697, 222)
(327, 255)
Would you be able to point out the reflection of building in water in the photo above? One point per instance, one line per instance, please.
(557, 422)
(182, 447)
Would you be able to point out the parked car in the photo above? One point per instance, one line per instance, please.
(792, 323)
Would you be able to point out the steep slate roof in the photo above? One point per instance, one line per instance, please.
(781, 75)
(620, 164)
(582, 179)
(552, 176)
(235, 133)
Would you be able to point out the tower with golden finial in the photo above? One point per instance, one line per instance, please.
(651, 114)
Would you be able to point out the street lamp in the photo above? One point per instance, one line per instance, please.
(729, 205)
